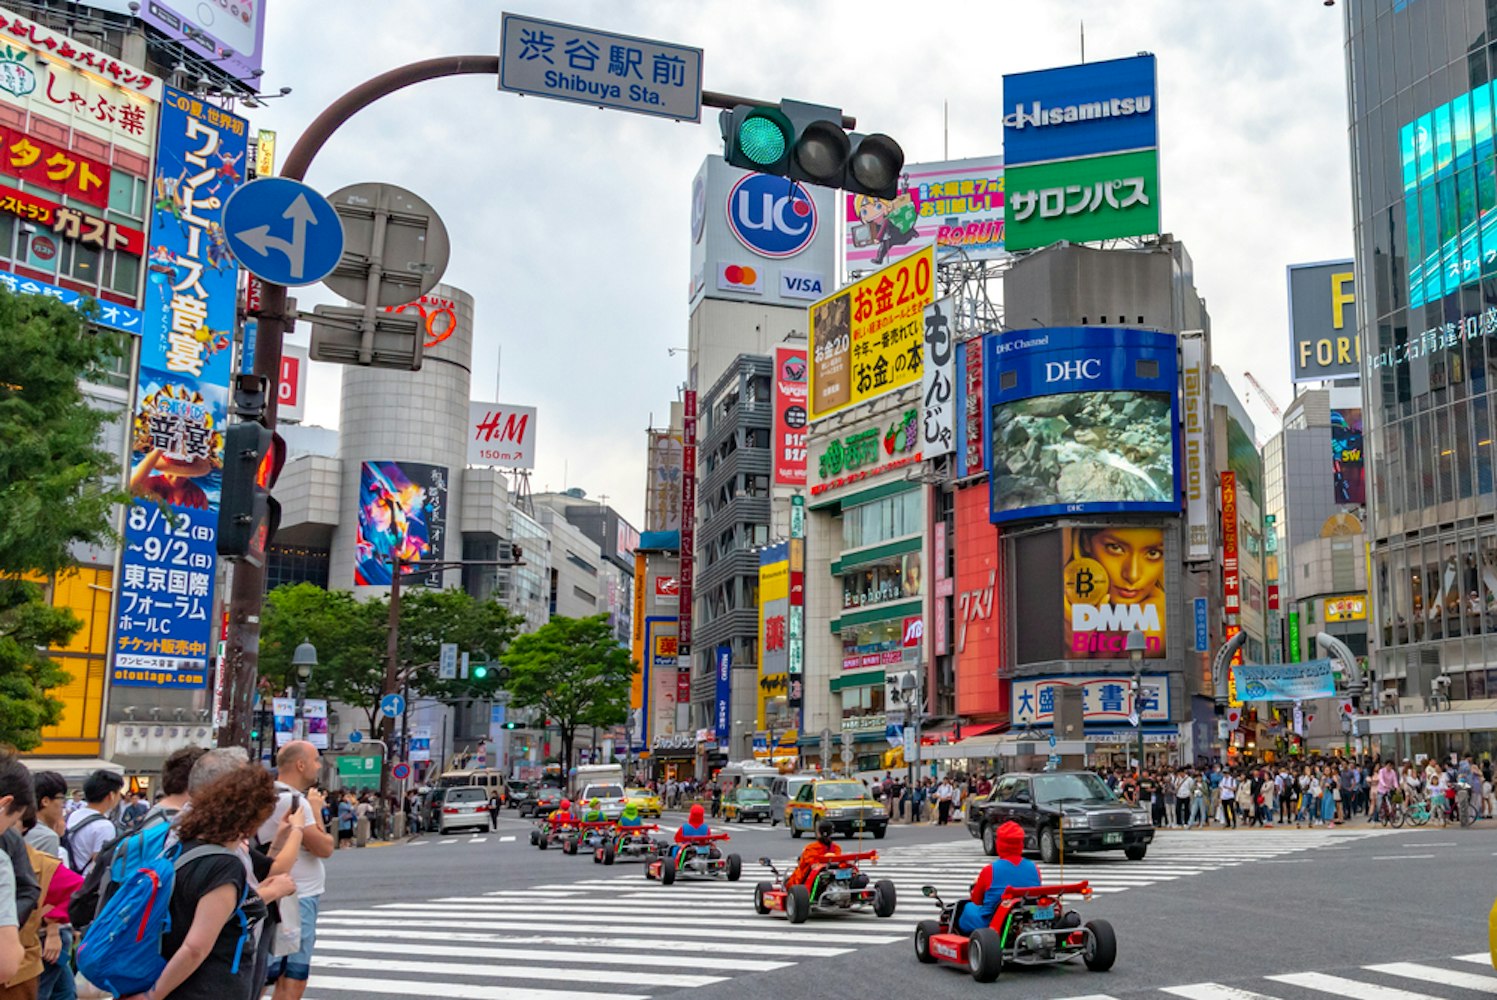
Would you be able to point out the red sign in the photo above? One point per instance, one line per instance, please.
(683, 687)
(774, 633)
(439, 315)
(1273, 597)
(791, 393)
(1231, 580)
(667, 586)
(914, 632)
(289, 392)
(47, 165)
(252, 292)
(688, 512)
(972, 415)
(78, 54)
(977, 642)
(71, 222)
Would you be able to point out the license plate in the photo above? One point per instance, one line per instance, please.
(1112, 838)
(1044, 913)
(844, 873)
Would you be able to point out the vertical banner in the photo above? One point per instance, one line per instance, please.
(970, 457)
(938, 432)
(402, 513)
(163, 635)
(1203, 626)
(1294, 639)
(283, 713)
(688, 517)
(1346, 457)
(1231, 581)
(790, 416)
(314, 710)
(796, 660)
(723, 701)
(420, 748)
(1193, 376)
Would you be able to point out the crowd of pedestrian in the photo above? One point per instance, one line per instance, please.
(240, 852)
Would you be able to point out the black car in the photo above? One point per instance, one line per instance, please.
(541, 800)
(1044, 803)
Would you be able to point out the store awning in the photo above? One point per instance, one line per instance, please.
(968, 732)
(74, 769)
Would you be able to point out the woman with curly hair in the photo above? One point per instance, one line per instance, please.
(205, 934)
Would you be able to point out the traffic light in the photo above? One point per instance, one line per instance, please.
(247, 514)
(509, 725)
(806, 142)
(480, 671)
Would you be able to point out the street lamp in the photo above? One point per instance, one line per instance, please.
(304, 658)
(1136, 645)
(908, 688)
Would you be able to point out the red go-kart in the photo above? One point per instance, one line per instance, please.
(1030, 927)
(698, 857)
(834, 886)
(629, 843)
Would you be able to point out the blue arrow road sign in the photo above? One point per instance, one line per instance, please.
(356, 736)
(283, 231)
(391, 705)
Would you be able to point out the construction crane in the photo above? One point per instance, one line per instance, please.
(1263, 395)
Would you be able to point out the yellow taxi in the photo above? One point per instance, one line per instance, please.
(645, 800)
(847, 804)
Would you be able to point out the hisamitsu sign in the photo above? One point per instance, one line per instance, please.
(568, 63)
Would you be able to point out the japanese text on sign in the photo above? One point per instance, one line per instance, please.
(37, 161)
(72, 223)
(116, 317)
(62, 47)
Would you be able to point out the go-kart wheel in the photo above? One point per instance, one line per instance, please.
(667, 871)
(598, 856)
(984, 955)
(1049, 846)
(923, 930)
(570, 847)
(541, 843)
(989, 840)
(535, 836)
(609, 854)
(883, 898)
(735, 867)
(1136, 853)
(1101, 946)
(797, 904)
(760, 907)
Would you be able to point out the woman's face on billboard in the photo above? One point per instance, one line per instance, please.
(1134, 560)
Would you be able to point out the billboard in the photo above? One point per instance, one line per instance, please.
(291, 389)
(1105, 698)
(1346, 457)
(1096, 198)
(957, 204)
(790, 416)
(402, 512)
(688, 514)
(970, 432)
(978, 642)
(1323, 341)
(662, 662)
(163, 635)
(867, 449)
(229, 34)
(1082, 110)
(1286, 681)
(1114, 583)
(774, 609)
(938, 395)
(722, 726)
(663, 489)
(501, 436)
(1231, 578)
(1080, 419)
(868, 338)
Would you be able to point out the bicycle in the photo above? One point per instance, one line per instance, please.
(1390, 812)
(1419, 813)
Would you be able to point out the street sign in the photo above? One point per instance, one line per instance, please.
(1052, 739)
(447, 662)
(585, 66)
(400, 771)
(1132, 721)
(391, 705)
(283, 231)
(1052, 762)
(356, 736)
(847, 754)
(412, 251)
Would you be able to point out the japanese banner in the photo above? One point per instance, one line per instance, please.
(790, 416)
(1104, 698)
(1231, 580)
(938, 430)
(868, 338)
(47, 165)
(164, 633)
(90, 230)
(958, 204)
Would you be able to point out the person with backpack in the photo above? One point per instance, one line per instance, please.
(17, 795)
(298, 767)
(90, 828)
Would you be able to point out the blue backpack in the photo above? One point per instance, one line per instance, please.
(121, 950)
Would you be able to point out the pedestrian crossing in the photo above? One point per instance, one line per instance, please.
(611, 935)
(1455, 978)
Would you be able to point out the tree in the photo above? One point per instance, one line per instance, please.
(54, 490)
(575, 672)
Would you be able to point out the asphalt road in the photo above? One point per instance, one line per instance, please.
(1386, 916)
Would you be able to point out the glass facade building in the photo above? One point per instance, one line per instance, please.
(1422, 109)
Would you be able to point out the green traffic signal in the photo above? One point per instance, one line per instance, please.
(757, 138)
(480, 672)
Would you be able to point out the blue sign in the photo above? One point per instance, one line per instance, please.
(1203, 632)
(283, 231)
(247, 349)
(164, 633)
(357, 736)
(1073, 111)
(391, 705)
(110, 314)
(1286, 681)
(772, 216)
(724, 663)
(1080, 420)
(496, 717)
(400, 771)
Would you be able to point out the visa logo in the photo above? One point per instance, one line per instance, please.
(802, 285)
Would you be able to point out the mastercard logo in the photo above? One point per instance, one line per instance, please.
(740, 278)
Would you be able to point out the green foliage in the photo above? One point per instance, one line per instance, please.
(574, 671)
(28, 625)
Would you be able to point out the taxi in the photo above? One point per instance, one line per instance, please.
(846, 804)
(645, 800)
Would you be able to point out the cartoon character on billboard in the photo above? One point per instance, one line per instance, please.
(394, 521)
(887, 223)
(1346, 445)
(1114, 583)
(176, 439)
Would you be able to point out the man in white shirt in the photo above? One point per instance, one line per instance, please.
(298, 768)
(90, 828)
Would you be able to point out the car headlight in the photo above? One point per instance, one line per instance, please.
(1079, 822)
(836, 813)
(1140, 818)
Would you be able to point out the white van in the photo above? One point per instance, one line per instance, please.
(782, 790)
(598, 774)
(748, 774)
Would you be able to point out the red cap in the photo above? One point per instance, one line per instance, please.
(1011, 842)
(697, 815)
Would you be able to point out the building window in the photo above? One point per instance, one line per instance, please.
(893, 580)
(882, 520)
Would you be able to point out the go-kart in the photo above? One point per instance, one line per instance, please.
(834, 886)
(698, 857)
(629, 843)
(549, 830)
(1030, 927)
(590, 834)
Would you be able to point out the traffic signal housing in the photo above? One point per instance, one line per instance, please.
(806, 142)
(247, 513)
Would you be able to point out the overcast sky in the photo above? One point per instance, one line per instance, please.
(570, 225)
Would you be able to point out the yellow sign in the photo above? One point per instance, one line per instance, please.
(868, 338)
(265, 154)
(1346, 608)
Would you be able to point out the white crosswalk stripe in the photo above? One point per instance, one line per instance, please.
(604, 935)
(1404, 981)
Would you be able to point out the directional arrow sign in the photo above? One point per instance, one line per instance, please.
(283, 231)
(391, 705)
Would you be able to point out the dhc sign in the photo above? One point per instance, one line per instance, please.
(772, 216)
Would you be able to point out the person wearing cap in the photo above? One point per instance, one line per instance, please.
(816, 852)
(695, 826)
(563, 813)
(593, 813)
(1010, 870)
(629, 818)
